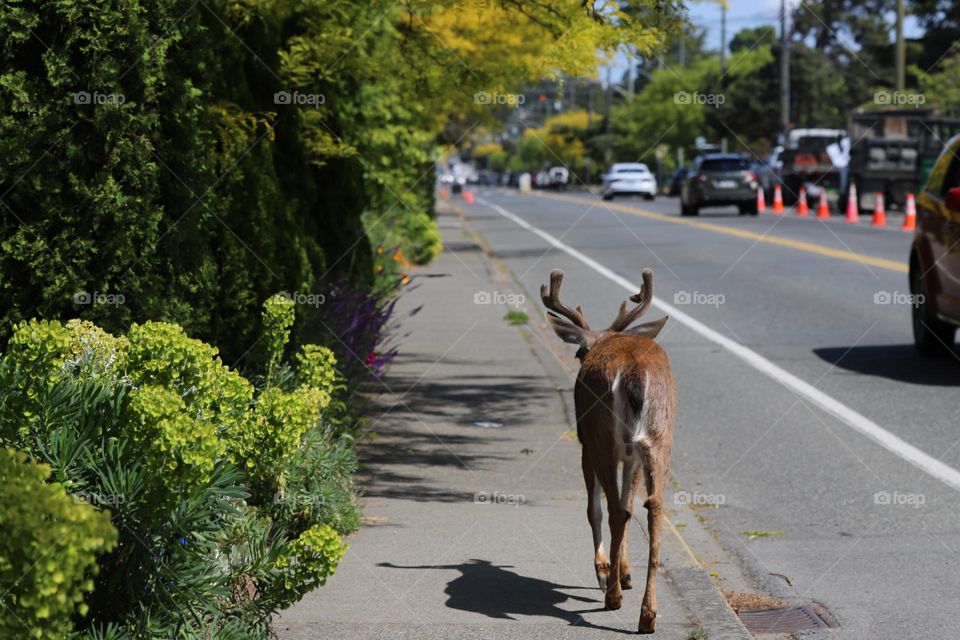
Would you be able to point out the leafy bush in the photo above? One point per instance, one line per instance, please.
(48, 551)
(193, 463)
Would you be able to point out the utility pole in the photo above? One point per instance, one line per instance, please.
(784, 68)
(901, 50)
(608, 142)
(723, 39)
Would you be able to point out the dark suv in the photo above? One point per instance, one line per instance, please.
(716, 180)
(935, 256)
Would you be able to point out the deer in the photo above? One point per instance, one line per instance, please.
(625, 401)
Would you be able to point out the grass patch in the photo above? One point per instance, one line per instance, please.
(752, 534)
(516, 317)
(698, 634)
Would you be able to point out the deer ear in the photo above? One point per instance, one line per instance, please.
(569, 332)
(648, 329)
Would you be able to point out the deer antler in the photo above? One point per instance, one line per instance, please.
(551, 300)
(643, 298)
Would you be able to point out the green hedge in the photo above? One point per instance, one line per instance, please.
(150, 173)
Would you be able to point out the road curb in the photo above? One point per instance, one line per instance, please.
(681, 567)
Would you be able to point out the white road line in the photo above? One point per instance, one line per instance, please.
(856, 421)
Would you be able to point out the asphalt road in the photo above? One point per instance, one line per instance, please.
(818, 424)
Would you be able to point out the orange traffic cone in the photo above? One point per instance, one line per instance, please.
(910, 219)
(777, 200)
(823, 209)
(468, 196)
(853, 205)
(802, 208)
(761, 203)
(879, 213)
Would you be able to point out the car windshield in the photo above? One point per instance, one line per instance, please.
(724, 164)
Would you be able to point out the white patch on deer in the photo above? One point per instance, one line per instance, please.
(632, 430)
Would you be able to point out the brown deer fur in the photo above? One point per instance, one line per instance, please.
(626, 404)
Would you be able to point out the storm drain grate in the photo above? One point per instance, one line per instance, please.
(782, 620)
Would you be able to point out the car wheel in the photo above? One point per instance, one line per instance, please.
(748, 208)
(608, 196)
(932, 336)
(648, 196)
(684, 209)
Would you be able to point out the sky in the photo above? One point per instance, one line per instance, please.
(753, 13)
(741, 15)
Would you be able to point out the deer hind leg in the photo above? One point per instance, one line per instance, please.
(655, 475)
(629, 485)
(607, 477)
(601, 564)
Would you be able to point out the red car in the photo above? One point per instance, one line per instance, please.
(935, 256)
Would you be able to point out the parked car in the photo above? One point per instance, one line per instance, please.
(716, 180)
(677, 180)
(559, 178)
(629, 178)
(935, 256)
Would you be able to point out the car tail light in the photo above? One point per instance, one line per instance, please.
(700, 178)
(751, 176)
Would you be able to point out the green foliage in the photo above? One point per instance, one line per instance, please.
(316, 367)
(942, 88)
(272, 433)
(310, 560)
(278, 315)
(193, 464)
(48, 550)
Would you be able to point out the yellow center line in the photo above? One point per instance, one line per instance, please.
(799, 245)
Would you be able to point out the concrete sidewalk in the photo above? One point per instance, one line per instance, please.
(474, 506)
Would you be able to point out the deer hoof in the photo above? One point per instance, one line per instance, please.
(603, 572)
(613, 602)
(648, 621)
(626, 582)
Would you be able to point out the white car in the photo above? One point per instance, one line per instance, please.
(629, 178)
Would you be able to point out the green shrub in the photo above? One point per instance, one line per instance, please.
(264, 442)
(229, 500)
(316, 367)
(48, 551)
(278, 316)
(309, 561)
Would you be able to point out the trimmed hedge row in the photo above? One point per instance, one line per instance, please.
(154, 170)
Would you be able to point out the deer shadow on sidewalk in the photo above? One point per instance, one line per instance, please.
(495, 591)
